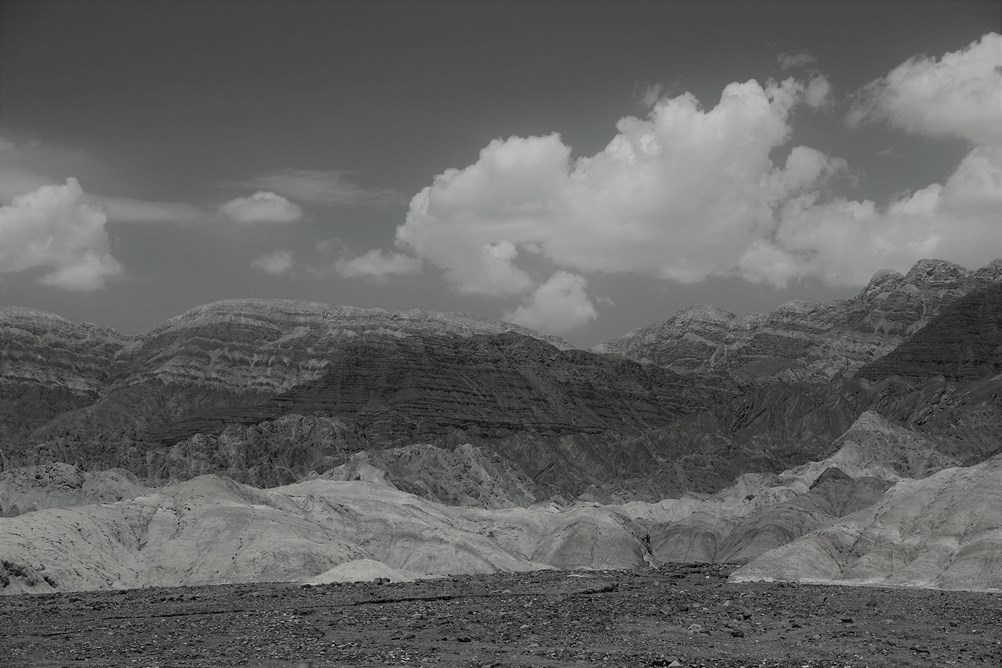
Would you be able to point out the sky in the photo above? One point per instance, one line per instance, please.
(581, 168)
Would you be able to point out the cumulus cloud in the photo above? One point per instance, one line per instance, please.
(377, 266)
(843, 241)
(53, 228)
(276, 263)
(262, 207)
(789, 61)
(679, 195)
(559, 305)
(957, 95)
(323, 188)
(818, 94)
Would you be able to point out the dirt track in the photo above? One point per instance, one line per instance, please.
(608, 618)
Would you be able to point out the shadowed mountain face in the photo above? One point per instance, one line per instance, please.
(270, 391)
(964, 344)
(559, 415)
(802, 341)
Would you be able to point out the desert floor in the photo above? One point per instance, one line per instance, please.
(652, 617)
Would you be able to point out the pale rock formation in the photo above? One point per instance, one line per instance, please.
(29, 488)
(942, 531)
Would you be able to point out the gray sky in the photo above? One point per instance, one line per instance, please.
(155, 156)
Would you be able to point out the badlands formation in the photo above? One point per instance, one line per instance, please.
(247, 441)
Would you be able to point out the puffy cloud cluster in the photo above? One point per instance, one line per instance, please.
(688, 192)
(276, 263)
(377, 266)
(679, 195)
(957, 95)
(53, 228)
(557, 306)
(843, 241)
(261, 207)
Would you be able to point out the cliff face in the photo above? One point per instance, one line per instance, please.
(802, 341)
(561, 416)
(49, 365)
(964, 344)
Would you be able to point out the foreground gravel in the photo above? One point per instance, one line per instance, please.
(684, 613)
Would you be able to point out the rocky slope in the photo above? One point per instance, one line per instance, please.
(762, 511)
(942, 531)
(29, 488)
(803, 341)
(211, 529)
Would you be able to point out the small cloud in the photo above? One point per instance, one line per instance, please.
(54, 228)
(378, 266)
(276, 263)
(818, 94)
(652, 93)
(262, 207)
(557, 306)
(129, 210)
(323, 188)
(788, 61)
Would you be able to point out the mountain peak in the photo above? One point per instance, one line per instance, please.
(936, 272)
(882, 281)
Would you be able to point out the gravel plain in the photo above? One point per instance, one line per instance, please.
(680, 614)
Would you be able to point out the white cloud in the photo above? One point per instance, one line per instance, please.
(262, 207)
(377, 265)
(844, 241)
(324, 188)
(818, 94)
(557, 306)
(276, 263)
(957, 95)
(797, 59)
(53, 228)
(678, 195)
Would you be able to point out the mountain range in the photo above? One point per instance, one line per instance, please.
(709, 436)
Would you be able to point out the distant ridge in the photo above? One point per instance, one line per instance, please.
(802, 341)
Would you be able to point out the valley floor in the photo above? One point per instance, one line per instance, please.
(549, 618)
